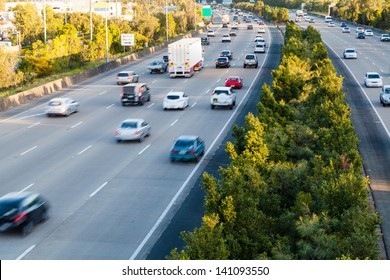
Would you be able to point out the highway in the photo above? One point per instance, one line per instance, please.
(370, 119)
(110, 199)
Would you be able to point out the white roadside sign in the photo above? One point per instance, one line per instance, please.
(127, 39)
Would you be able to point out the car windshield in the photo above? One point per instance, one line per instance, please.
(54, 103)
(155, 63)
(129, 125)
(373, 76)
(173, 97)
(225, 53)
(123, 74)
(184, 143)
(221, 92)
(222, 59)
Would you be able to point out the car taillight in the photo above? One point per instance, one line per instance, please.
(191, 152)
(117, 132)
(137, 132)
(20, 217)
(174, 151)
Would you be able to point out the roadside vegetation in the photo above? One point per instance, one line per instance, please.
(294, 188)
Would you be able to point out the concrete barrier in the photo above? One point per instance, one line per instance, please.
(39, 91)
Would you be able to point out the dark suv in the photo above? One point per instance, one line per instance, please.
(222, 62)
(205, 40)
(135, 94)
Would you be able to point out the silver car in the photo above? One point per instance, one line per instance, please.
(384, 95)
(373, 79)
(350, 53)
(126, 77)
(133, 129)
(63, 106)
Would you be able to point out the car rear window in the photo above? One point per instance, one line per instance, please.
(55, 103)
(173, 97)
(373, 76)
(222, 59)
(129, 89)
(123, 74)
(184, 143)
(250, 57)
(233, 79)
(350, 51)
(221, 92)
(129, 125)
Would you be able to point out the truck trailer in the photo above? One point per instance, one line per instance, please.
(185, 57)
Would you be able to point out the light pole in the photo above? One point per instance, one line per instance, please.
(90, 18)
(166, 18)
(44, 22)
(195, 14)
(106, 32)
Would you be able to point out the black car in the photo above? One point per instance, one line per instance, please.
(22, 211)
(205, 40)
(226, 53)
(222, 62)
(360, 35)
(166, 58)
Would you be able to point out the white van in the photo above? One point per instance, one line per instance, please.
(328, 19)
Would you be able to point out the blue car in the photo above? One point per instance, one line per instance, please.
(187, 148)
(343, 24)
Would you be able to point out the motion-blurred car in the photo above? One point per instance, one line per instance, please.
(205, 40)
(384, 95)
(63, 106)
(224, 25)
(222, 62)
(125, 77)
(346, 30)
(350, 53)
(157, 66)
(226, 53)
(385, 38)
(175, 100)
(373, 79)
(223, 96)
(187, 148)
(359, 29)
(135, 94)
(234, 82)
(210, 33)
(369, 32)
(226, 38)
(312, 20)
(251, 60)
(132, 129)
(261, 41)
(22, 210)
(258, 37)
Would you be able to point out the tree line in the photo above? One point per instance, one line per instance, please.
(69, 47)
(294, 187)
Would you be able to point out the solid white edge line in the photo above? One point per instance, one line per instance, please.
(144, 149)
(29, 150)
(98, 189)
(21, 256)
(26, 188)
(368, 99)
(173, 200)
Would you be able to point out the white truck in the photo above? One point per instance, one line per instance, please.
(225, 19)
(185, 57)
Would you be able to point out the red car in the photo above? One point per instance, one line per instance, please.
(234, 81)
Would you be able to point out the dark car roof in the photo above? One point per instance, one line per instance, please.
(16, 196)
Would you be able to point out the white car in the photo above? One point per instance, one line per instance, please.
(261, 30)
(175, 100)
(331, 24)
(384, 95)
(226, 38)
(223, 96)
(133, 129)
(373, 79)
(261, 41)
(350, 53)
(258, 37)
(359, 29)
(210, 33)
(369, 32)
(346, 30)
(259, 48)
(63, 106)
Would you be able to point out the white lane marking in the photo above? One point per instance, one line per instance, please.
(172, 124)
(77, 124)
(227, 71)
(31, 116)
(151, 105)
(185, 81)
(155, 81)
(182, 187)
(108, 107)
(207, 91)
(31, 126)
(144, 149)
(29, 150)
(79, 153)
(103, 92)
(98, 189)
(218, 80)
(26, 188)
(21, 256)
(193, 105)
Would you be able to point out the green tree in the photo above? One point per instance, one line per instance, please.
(28, 22)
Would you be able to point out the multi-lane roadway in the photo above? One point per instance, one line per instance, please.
(109, 199)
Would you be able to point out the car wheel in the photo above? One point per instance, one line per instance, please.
(27, 228)
(149, 97)
(68, 113)
(141, 139)
(148, 134)
(244, 65)
(45, 215)
(118, 140)
(48, 115)
(256, 65)
(141, 103)
(212, 106)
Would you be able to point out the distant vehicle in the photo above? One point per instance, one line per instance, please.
(251, 60)
(298, 19)
(346, 30)
(175, 100)
(328, 19)
(210, 33)
(22, 210)
(343, 24)
(157, 66)
(187, 148)
(185, 57)
(226, 38)
(165, 58)
(373, 79)
(249, 26)
(226, 53)
(233, 32)
(125, 77)
(205, 40)
(135, 94)
(261, 41)
(260, 22)
(223, 96)
(384, 95)
(331, 24)
(312, 20)
(350, 53)
(359, 29)
(224, 25)
(63, 106)
(360, 35)
(259, 48)
(234, 81)
(385, 38)
(222, 62)
(369, 32)
(261, 30)
(133, 129)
